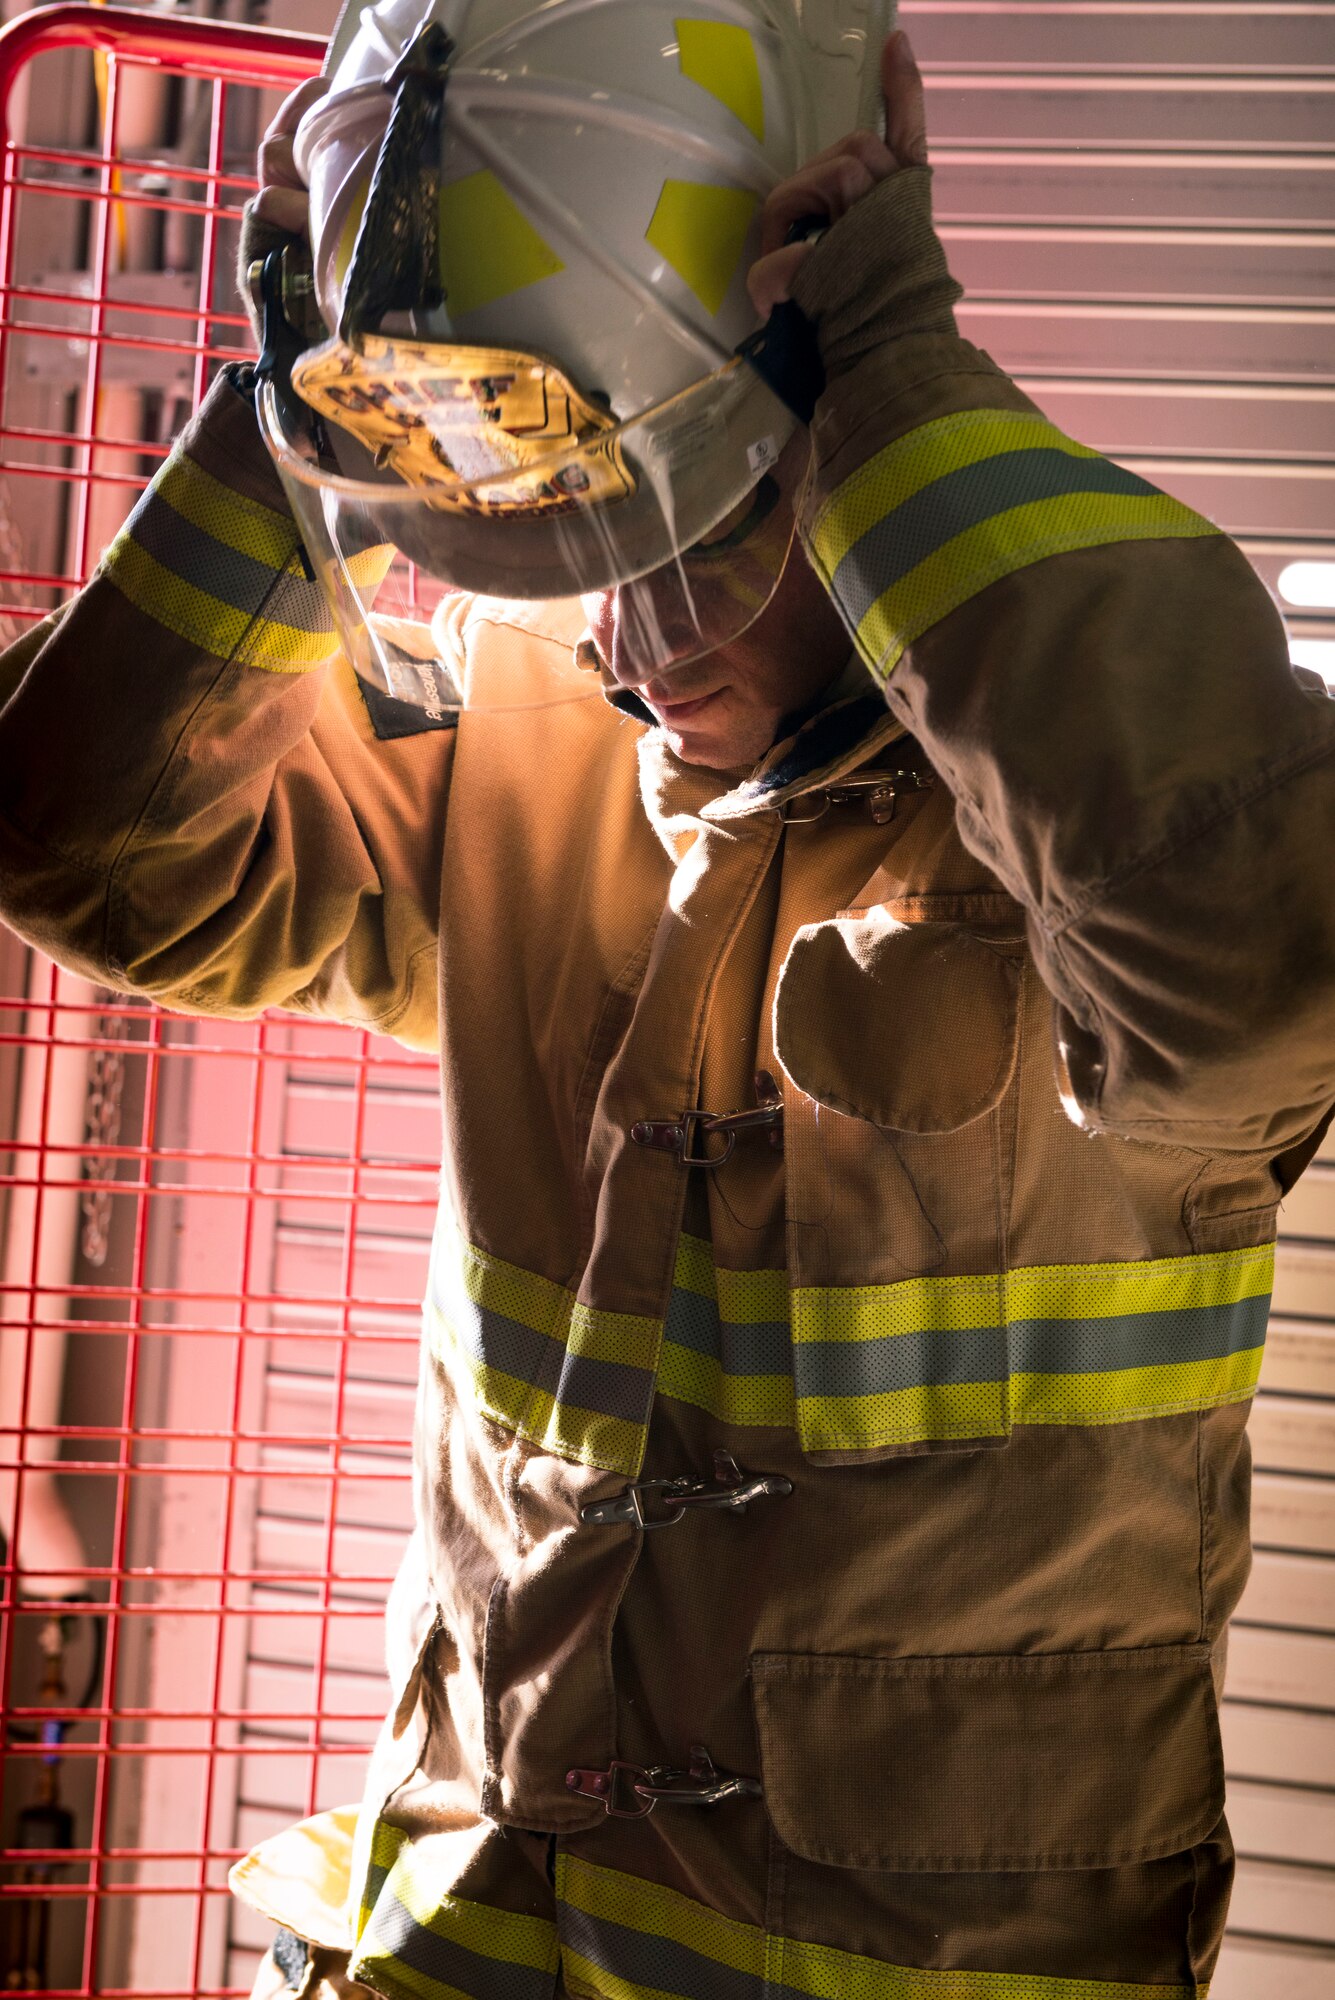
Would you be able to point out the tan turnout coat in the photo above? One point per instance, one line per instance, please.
(1050, 1042)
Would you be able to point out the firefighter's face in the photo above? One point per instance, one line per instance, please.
(723, 709)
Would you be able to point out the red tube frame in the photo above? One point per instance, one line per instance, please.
(225, 56)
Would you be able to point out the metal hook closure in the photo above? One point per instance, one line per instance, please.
(630, 1791)
(731, 1489)
(878, 791)
(685, 1135)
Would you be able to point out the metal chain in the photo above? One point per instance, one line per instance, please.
(12, 559)
(102, 1123)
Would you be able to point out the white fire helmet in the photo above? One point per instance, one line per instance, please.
(531, 223)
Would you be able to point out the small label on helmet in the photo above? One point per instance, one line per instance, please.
(761, 455)
(686, 440)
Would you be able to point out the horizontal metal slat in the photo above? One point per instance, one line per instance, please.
(1252, 1970)
(1291, 1435)
(1213, 267)
(1082, 184)
(1288, 1667)
(309, 1262)
(303, 1405)
(1309, 1207)
(1299, 1356)
(1283, 1902)
(371, 1357)
(374, 1502)
(1246, 499)
(1289, 1745)
(284, 1545)
(1290, 1512)
(1246, 344)
(1305, 1280)
(1241, 113)
(320, 1115)
(383, 1328)
(1142, 417)
(1282, 1822)
(276, 1788)
(383, 1207)
(1034, 39)
(355, 1645)
(1291, 1590)
(276, 1689)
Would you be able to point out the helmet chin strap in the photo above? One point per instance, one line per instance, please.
(784, 352)
(395, 263)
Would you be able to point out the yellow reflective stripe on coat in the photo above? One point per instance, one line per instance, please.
(853, 1368)
(727, 1344)
(410, 1938)
(225, 573)
(627, 1939)
(573, 1379)
(949, 508)
(948, 1358)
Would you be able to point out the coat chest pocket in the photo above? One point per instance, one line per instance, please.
(909, 1023)
(897, 1027)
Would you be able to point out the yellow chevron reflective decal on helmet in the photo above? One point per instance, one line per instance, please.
(488, 246)
(721, 58)
(701, 230)
(347, 236)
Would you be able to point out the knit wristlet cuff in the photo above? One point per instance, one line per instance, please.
(879, 273)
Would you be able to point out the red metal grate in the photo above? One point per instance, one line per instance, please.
(213, 1236)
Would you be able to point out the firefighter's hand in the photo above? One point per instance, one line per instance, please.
(878, 272)
(283, 201)
(281, 209)
(830, 184)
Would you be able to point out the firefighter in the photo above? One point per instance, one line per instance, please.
(865, 880)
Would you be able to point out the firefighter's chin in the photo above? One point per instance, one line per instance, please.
(722, 709)
(723, 729)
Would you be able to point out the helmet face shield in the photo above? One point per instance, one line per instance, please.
(686, 510)
(492, 187)
(708, 594)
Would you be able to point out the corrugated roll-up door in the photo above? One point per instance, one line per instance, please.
(344, 1267)
(1139, 200)
(1279, 1710)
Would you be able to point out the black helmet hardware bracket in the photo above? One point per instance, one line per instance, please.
(395, 263)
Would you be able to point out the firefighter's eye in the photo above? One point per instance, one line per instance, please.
(754, 507)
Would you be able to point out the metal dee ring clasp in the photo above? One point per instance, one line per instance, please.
(682, 1134)
(729, 1491)
(631, 1791)
(878, 790)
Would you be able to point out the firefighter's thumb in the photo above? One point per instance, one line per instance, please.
(258, 238)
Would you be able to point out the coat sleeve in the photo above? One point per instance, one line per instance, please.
(1104, 683)
(194, 803)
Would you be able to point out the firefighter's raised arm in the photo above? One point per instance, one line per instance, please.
(196, 802)
(1094, 669)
